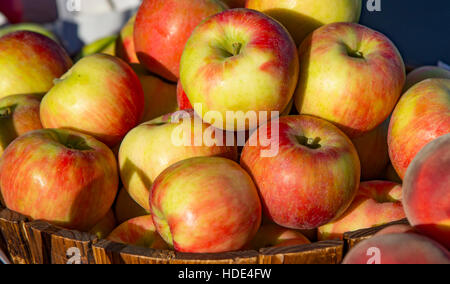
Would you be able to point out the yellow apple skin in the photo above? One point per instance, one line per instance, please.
(160, 95)
(301, 17)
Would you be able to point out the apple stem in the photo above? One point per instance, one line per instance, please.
(5, 112)
(237, 48)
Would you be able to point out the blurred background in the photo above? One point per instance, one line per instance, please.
(419, 28)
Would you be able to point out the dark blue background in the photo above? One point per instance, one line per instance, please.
(419, 28)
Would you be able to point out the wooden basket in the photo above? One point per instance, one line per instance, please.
(38, 242)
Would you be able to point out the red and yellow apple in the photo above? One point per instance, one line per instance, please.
(140, 232)
(398, 249)
(427, 191)
(160, 95)
(314, 177)
(29, 62)
(422, 115)
(19, 114)
(301, 17)
(60, 176)
(182, 99)
(272, 235)
(150, 148)
(126, 208)
(351, 76)
(205, 205)
(239, 61)
(106, 225)
(101, 96)
(162, 29)
(125, 43)
(31, 27)
(426, 72)
(373, 152)
(377, 203)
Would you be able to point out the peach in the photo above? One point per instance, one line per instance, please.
(427, 191)
(377, 203)
(396, 229)
(398, 249)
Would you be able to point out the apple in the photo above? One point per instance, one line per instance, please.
(61, 176)
(427, 191)
(239, 61)
(182, 99)
(301, 17)
(45, 60)
(106, 225)
(314, 177)
(104, 45)
(422, 115)
(396, 229)
(426, 72)
(101, 96)
(373, 152)
(149, 149)
(272, 235)
(140, 232)
(162, 29)
(28, 27)
(376, 203)
(126, 208)
(205, 205)
(19, 114)
(398, 249)
(351, 76)
(125, 43)
(160, 95)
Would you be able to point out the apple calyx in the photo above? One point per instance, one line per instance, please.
(355, 53)
(237, 46)
(311, 143)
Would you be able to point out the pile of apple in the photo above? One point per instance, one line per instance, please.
(71, 134)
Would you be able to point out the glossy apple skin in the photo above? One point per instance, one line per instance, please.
(272, 235)
(426, 72)
(427, 191)
(373, 152)
(125, 43)
(148, 149)
(162, 29)
(101, 96)
(301, 17)
(73, 187)
(399, 249)
(205, 205)
(19, 114)
(45, 61)
(261, 76)
(106, 225)
(126, 208)
(28, 27)
(422, 115)
(140, 231)
(302, 187)
(376, 203)
(160, 95)
(182, 99)
(356, 94)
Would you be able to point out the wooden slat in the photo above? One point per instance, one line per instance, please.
(55, 245)
(351, 239)
(11, 227)
(327, 252)
(239, 257)
(107, 252)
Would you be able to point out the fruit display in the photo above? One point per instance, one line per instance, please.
(223, 132)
